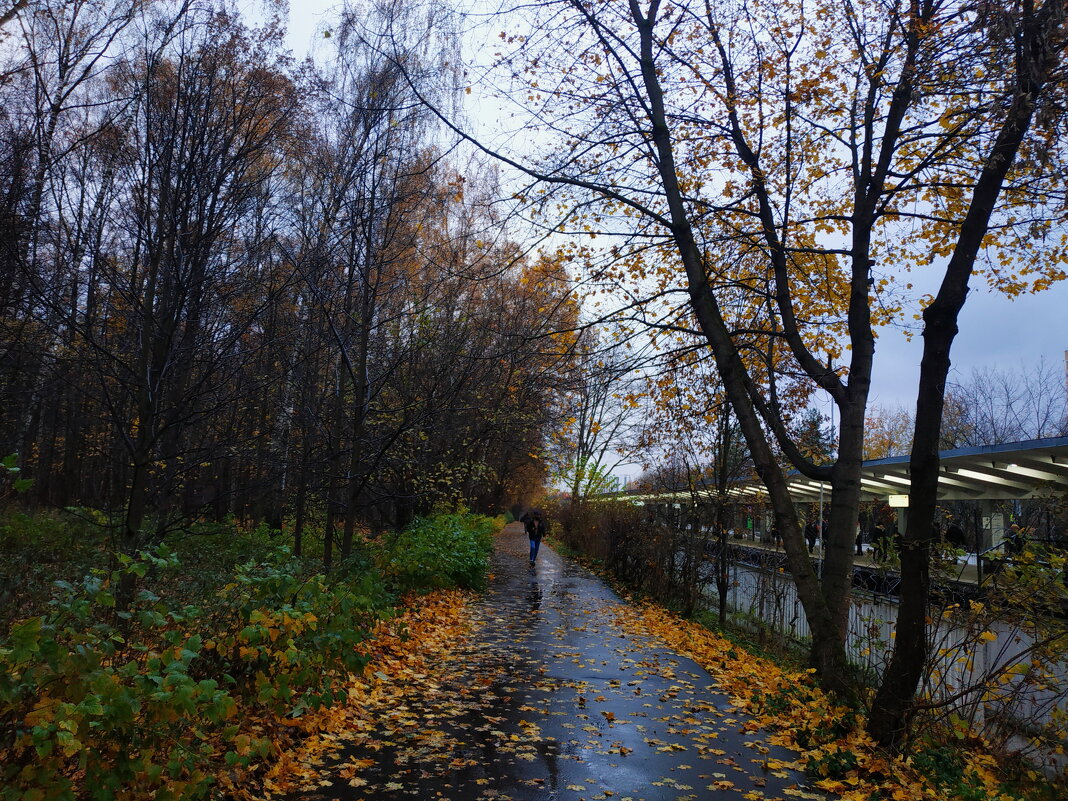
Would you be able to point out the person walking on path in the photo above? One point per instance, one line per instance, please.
(536, 527)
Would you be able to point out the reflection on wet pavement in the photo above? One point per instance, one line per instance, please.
(548, 699)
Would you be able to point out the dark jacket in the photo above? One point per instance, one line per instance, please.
(535, 525)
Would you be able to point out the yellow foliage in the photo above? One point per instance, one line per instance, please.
(749, 680)
(403, 651)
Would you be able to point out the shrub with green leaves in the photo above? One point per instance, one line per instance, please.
(154, 700)
(83, 687)
(38, 549)
(440, 552)
(945, 767)
(146, 701)
(834, 763)
(288, 639)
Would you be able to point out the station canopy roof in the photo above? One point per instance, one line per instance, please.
(1032, 469)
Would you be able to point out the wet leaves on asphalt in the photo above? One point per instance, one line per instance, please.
(534, 690)
(549, 687)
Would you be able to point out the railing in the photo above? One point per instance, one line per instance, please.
(764, 600)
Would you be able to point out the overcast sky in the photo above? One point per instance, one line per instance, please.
(994, 331)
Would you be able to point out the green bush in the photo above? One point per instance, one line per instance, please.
(288, 638)
(440, 552)
(834, 764)
(228, 633)
(945, 767)
(41, 548)
(84, 687)
(146, 700)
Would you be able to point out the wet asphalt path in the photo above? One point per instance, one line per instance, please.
(550, 700)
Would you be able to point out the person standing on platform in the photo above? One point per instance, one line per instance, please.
(879, 544)
(811, 533)
(1015, 541)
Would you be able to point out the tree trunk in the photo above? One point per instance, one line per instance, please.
(722, 571)
(825, 619)
(301, 503)
(359, 423)
(130, 536)
(893, 705)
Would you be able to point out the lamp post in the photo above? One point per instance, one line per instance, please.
(823, 533)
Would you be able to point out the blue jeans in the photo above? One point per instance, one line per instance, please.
(534, 545)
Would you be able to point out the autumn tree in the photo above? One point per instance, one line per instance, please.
(370, 174)
(55, 61)
(203, 148)
(420, 315)
(599, 408)
(1024, 43)
(240, 288)
(888, 432)
(807, 153)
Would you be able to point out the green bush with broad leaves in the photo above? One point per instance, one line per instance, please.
(440, 552)
(194, 676)
(105, 703)
(38, 549)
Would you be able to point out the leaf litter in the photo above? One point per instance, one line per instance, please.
(547, 684)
